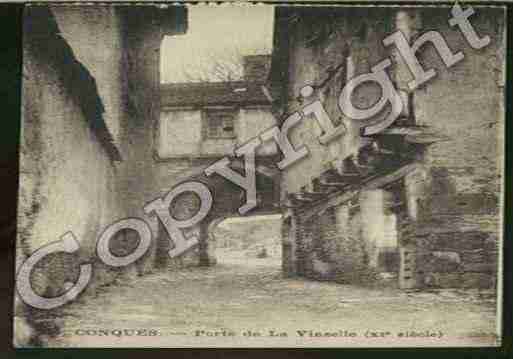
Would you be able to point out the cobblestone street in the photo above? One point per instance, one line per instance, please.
(240, 295)
(259, 176)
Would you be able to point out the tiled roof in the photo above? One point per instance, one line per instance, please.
(213, 93)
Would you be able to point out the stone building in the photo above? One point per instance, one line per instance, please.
(418, 203)
(201, 122)
(96, 147)
(90, 99)
(209, 119)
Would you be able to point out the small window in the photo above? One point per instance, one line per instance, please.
(220, 124)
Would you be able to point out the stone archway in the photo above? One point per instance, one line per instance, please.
(227, 199)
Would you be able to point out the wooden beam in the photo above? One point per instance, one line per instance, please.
(301, 197)
(289, 204)
(417, 134)
(343, 177)
(406, 130)
(380, 181)
(312, 195)
(336, 199)
(331, 201)
(328, 189)
(326, 183)
(266, 171)
(293, 202)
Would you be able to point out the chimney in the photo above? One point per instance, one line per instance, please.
(256, 67)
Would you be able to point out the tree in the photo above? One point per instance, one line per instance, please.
(213, 67)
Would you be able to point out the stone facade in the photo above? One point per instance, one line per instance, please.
(356, 210)
(460, 200)
(90, 100)
(91, 116)
(432, 221)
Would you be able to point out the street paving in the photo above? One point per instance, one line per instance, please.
(247, 302)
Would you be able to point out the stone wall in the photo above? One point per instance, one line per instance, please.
(319, 43)
(354, 242)
(60, 149)
(67, 168)
(347, 242)
(459, 209)
(86, 30)
(182, 133)
(90, 99)
(448, 208)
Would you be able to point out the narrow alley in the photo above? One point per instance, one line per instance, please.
(332, 203)
(166, 309)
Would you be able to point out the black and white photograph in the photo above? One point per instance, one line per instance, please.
(261, 176)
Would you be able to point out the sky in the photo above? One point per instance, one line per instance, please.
(216, 32)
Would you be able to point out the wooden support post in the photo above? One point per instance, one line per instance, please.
(407, 267)
(203, 244)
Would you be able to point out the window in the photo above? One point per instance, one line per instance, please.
(220, 124)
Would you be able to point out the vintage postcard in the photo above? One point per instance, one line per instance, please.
(261, 176)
